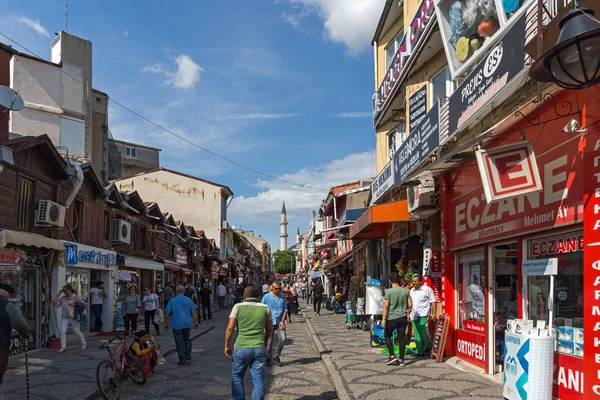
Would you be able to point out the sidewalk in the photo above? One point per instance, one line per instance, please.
(71, 375)
(358, 370)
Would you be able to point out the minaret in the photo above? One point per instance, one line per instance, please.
(283, 231)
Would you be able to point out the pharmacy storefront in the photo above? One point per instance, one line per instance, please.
(86, 265)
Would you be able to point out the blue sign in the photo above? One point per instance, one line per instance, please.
(71, 253)
(88, 255)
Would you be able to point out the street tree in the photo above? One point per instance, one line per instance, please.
(284, 261)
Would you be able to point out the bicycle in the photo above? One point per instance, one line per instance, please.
(111, 373)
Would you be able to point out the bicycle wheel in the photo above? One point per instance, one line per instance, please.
(108, 381)
(134, 369)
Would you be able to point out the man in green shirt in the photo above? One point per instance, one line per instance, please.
(255, 327)
(396, 306)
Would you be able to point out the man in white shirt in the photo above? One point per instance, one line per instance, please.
(422, 298)
(97, 296)
(265, 288)
(221, 293)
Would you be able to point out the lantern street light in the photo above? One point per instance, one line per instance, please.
(574, 62)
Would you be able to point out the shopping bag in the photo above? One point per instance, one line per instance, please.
(160, 315)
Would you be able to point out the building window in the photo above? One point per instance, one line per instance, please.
(24, 200)
(72, 136)
(392, 48)
(441, 86)
(131, 152)
(395, 139)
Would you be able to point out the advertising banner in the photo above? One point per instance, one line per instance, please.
(417, 108)
(471, 347)
(181, 256)
(546, 266)
(568, 377)
(418, 146)
(383, 182)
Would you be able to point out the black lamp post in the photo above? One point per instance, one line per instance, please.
(574, 62)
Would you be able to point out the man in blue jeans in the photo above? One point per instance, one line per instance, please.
(278, 305)
(254, 326)
(181, 309)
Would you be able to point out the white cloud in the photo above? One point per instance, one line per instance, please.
(355, 114)
(256, 115)
(352, 23)
(126, 32)
(35, 25)
(186, 76)
(266, 205)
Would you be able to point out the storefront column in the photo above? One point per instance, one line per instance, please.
(447, 266)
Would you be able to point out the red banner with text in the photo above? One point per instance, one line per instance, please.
(471, 347)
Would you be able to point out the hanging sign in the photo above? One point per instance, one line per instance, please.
(493, 73)
(547, 266)
(508, 171)
(383, 182)
(181, 255)
(418, 146)
(417, 108)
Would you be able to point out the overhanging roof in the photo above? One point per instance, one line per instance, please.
(373, 224)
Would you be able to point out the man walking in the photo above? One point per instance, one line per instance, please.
(181, 310)
(422, 298)
(265, 289)
(278, 305)
(168, 293)
(221, 293)
(254, 325)
(10, 318)
(97, 296)
(205, 299)
(318, 291)
(396, 306)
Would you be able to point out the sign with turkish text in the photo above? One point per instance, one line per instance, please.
(508, 171)
(417, 108)
(405, 50)
(473, 220)
(383, 182)
(591, 264)
(79, 253)
(544, 266)
(504, 61)
(181, 255)
(474, 326)
(418, 145)
(564, 243)
(471, 347)
(568, 377)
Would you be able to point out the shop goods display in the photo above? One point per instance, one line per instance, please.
(472, 22)
(378, 336)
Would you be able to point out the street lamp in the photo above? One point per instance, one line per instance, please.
(574, 62)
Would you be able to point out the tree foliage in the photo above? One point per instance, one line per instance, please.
(284, 261)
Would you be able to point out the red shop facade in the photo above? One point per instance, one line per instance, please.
(485, 244)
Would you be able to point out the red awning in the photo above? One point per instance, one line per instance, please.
(373, 224)
(172, 265)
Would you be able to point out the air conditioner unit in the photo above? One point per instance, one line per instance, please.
(421, 200)
(50, 213)
(121, 231)
(224, 225)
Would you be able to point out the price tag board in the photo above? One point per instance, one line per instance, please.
(439, 338)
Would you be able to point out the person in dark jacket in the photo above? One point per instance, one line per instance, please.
(10, 318)
(318, 291)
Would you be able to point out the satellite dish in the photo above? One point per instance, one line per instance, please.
(10, 99)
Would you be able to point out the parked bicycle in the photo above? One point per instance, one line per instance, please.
(112, 372)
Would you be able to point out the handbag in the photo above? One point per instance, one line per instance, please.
(160, 315)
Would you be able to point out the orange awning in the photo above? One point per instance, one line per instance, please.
(373, 224)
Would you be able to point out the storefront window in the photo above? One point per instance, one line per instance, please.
(11, 276)
(566, 302)
(471, 285)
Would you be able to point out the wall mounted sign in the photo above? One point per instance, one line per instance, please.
(545, 266)
(559, 244)
(181, 255)
(414, 35)
(383, 182)
(471, 347)
(504, 61)
(508, 171)
(417, 108)
(79, 253)
(418, 145)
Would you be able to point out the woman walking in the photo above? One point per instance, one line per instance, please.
(65, 300)
(132, 310)
(150, 307)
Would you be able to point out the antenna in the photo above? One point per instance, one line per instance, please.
(10, 100)
(66, 14)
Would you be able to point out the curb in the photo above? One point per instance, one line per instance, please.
(335, 377)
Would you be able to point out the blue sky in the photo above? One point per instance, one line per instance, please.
(282, 86)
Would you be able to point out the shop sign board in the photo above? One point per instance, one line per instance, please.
(215, 267)
(76, 253)
(591, 264)
(417, 108)
(545, 266)
(474, 326)
(566, 243)
(471, 347)
(508, 171)
(405, 50)
(383, 182)
(181, 255)
(501, 65)
(421, 142)
(568, 377)
(559, 203)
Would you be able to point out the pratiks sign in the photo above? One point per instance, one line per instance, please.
(499, 67)
(418, 146)
(383, 182)
(76, 253)
(508, 171)
(405, 49)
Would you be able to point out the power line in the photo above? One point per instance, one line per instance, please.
(306, 186)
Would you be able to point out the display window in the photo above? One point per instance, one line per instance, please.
(471, 292)
(563, 303)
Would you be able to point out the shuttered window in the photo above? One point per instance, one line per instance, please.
(24, 206)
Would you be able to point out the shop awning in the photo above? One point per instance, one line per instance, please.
(326, 246)
(27, 239)
(373, 224)
(343, 258)
(171, 265)
(141, 263)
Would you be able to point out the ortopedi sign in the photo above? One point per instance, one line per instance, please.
(383, 182)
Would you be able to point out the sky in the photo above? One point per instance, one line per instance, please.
(283, 87)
